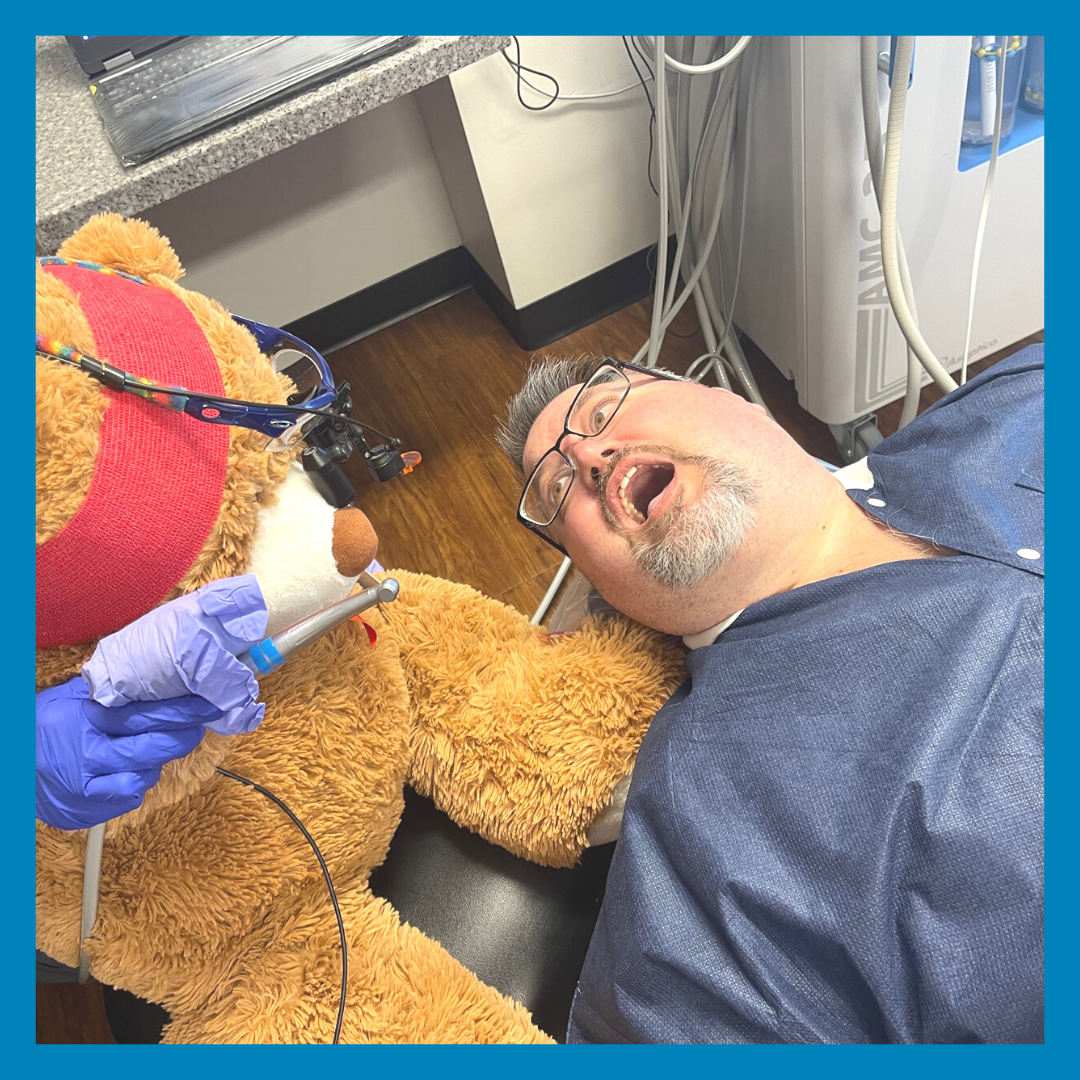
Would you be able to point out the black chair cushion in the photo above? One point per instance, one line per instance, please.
(522, 928)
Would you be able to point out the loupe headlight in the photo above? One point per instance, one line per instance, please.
(331, 435)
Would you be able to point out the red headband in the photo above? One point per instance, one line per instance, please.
(158, 478)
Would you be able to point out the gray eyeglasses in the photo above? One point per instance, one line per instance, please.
(592, 410)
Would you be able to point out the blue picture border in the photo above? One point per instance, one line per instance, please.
(551, 18)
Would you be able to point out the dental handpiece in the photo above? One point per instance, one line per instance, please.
(270, 653)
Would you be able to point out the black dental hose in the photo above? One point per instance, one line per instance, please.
(268, 655)
(329, 884)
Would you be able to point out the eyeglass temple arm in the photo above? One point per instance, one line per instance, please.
(669, 376)
(206, 407)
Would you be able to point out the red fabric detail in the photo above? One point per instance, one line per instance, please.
(159, 476)
(371, 635)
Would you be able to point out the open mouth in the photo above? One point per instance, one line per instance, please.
(641, 491)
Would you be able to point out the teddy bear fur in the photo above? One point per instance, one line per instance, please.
(211, 902)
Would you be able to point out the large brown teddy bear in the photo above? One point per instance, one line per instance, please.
(211, 903)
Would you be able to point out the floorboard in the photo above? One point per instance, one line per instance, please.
(71, 1013)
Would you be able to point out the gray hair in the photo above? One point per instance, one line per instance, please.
(544, 381)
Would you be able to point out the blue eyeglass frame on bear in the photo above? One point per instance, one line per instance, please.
(280, 423)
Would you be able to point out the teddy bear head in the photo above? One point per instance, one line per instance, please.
(137, 502)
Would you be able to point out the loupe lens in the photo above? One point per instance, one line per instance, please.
(302, 372)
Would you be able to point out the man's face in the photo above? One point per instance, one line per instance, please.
(660, 500)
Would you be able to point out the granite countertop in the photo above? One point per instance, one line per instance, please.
(78, 173)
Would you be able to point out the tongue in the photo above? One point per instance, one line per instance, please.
(650, 487)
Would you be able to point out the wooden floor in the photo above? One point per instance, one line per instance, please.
(439, 381)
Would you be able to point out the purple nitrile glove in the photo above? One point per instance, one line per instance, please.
(95, 763)
(188, 646)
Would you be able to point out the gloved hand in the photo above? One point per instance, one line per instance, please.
(188, 646)
(95, 763)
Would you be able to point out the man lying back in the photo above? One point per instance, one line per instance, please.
(834, 829)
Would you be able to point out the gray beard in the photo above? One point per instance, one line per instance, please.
(698, 539)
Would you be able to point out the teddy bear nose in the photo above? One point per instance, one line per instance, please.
(355, 543)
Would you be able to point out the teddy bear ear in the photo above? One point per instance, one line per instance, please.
(123, 244)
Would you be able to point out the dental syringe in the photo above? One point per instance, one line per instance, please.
(270, 653)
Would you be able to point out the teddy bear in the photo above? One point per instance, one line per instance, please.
(210, 902)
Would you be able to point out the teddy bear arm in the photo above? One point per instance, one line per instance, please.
(521, 736)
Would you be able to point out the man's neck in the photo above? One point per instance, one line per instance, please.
(845, 538)
(840, 538)
(852, 539)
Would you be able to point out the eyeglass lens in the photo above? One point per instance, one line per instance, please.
(590, 412)
(596, 402)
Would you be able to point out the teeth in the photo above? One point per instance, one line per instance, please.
(633, 511)
(628, 506)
